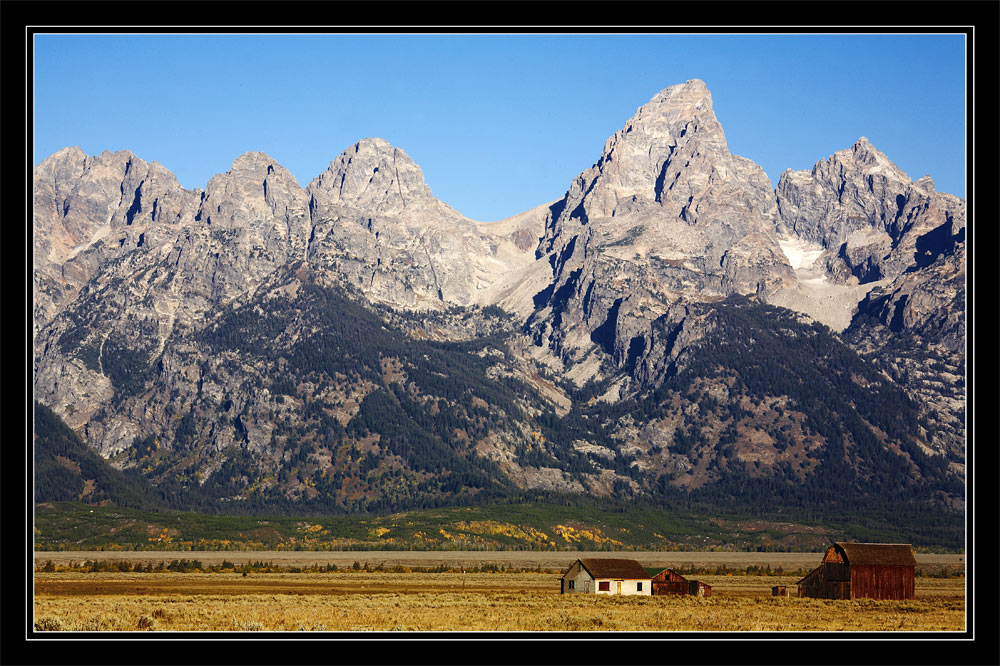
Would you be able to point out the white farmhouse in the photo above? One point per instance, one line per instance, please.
(606, 576)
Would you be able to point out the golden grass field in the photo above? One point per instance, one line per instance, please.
(492, 602)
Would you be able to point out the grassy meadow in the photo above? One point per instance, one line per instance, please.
(351, 601)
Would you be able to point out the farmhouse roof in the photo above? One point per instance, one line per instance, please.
(877, 553)
(614, 568)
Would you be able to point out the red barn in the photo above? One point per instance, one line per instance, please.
(862, 571)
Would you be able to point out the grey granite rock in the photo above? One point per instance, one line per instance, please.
(666, 214)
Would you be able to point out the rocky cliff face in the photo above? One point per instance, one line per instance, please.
(376, 220)
(187, 316)
(666, 216)
(89, 211)
(867, 214)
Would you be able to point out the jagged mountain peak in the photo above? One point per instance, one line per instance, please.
(373, 144)
(256, 192)
(73, 160)
(679, 110)
(669, 153)
(253, 159)
(688, 88)
(682, 103)
(67, 153)
(865, 158)
(925, 183)
(251, 168)
(376, 176)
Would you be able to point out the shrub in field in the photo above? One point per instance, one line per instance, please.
(146, 623)
(48, 624)
(247, 625)
(315, 627)
(96, 624)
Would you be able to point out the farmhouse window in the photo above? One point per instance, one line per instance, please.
(572, 585)
(638, 587)
(604, 586)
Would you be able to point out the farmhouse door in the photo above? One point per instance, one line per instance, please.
(619, 586)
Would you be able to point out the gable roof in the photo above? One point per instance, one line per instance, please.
(614, 568)
(900, 554)
(666, 575)
(814, 574)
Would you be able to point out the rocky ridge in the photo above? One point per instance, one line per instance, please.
(666, 216)
(605, 284)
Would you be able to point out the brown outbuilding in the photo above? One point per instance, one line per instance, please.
(669, 581)
(862, 571)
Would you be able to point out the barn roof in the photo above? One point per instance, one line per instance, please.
(814, 573)
(614, 568)
(666, 574)
(877, 553)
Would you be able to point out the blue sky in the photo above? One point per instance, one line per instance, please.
(497, 123)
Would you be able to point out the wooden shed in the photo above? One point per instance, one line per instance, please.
(668, 581)
(606, 576)
(700, 589)
(862, 571)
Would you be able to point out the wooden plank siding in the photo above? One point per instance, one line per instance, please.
(811, 584)
(669, 581)
(665, 587)
(882, 581)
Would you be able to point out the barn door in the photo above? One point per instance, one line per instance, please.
(619, 586)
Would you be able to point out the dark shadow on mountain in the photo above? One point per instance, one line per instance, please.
(561, 297)
(567, 252)
(542, 298)
(135, 207)
(636, 347)
(896, 323)
(933, 244)
(604, 335)
(555, 210)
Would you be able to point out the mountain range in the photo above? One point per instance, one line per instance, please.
(672, 326)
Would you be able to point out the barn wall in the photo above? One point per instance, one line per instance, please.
(671, 587)
(812, 584)
(836, 571)
(669, 581)
(881, 581)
